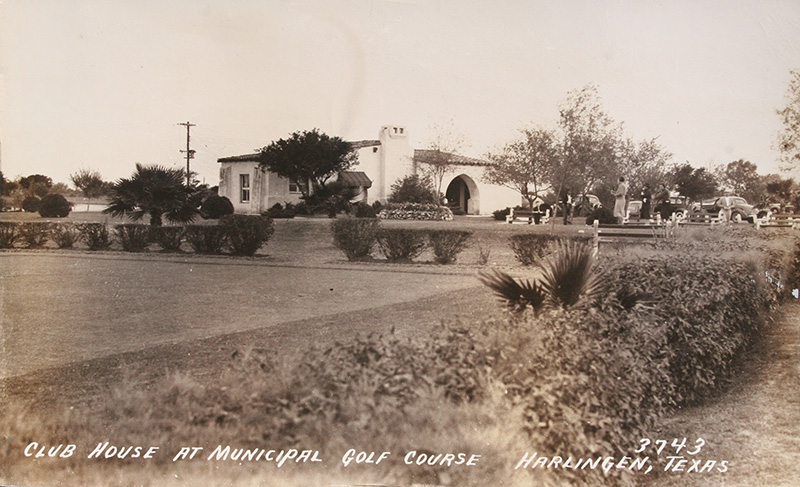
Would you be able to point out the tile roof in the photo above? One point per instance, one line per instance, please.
(424, 155)
(242, 158)
(358, 144)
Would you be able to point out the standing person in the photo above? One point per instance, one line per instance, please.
(619, 202)
(646, 197)
(567, 201)
(665, 207)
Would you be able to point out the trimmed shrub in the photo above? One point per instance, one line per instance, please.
(355, 237)
(245, 234)
(205, 239)
(602, 215)
(401, 244)
(54, 206)
(34, 234)
(65, 235)
(414, 211)
(278, 211)
(447, 244)
(413, 189)
(31, 204)
(363, 210)
(133, 237)
(500, 215)
(216, 206)
(530, 248)
(168, 237)
(9, 234)
(95, 235)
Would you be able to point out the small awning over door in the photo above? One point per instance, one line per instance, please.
(355, 179)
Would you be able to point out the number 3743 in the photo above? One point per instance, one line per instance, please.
(676, 446)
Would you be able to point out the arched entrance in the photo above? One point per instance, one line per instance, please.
(462, 194)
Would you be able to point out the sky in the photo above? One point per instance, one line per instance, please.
(104, 84)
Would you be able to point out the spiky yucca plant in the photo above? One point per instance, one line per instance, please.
(516, 295)
(569, 276)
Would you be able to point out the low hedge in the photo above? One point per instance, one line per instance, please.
(205, 239)
(530, 248)
(447, 244)
(95, 235)
(9, 234)
(401, 244)
(65, 235)
(245, 234)
(168, 237)
(356, 237)
(34, 234)
(133, 237)
(414, 211)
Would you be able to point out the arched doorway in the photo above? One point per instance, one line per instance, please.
(462, 195)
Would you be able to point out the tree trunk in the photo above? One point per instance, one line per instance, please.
(155, 219)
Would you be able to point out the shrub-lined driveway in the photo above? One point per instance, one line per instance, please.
(62, 308)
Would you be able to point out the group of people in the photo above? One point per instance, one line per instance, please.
(662, 195)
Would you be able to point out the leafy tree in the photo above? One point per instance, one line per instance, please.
(694, 183)
(36, 184)
(742, 179)
(156, 191)
(526, 164)
(308, 156)
(789, 136)
(590, 144)
(643, 163)
(89, 182)
(413, 189)
(439, 158)
(779, 190)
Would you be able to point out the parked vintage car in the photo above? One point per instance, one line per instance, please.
(674, 205)
(741, 210)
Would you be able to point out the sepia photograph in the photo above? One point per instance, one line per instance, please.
(399, 243)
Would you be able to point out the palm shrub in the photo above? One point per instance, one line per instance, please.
(9, 233)
(95, 235)
(356, 237)
(34, 234)
(517, 295)
(569, 279)
(447, 244)
(205, 239)
(245, 234)
(168, 237)
(65, 235)
(401, 244)
(133, 237)
(156, 191)
(569, 276)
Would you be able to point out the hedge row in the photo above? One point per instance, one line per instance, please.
(358, 237)
(235, 234)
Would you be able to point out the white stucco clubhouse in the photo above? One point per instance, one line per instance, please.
(381, 163)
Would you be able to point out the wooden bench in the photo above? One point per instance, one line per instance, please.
(527, 216)
(779, 220)
(632, 232)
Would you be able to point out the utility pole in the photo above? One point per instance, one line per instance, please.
(189, 152)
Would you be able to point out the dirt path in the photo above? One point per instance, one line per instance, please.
(755, 425)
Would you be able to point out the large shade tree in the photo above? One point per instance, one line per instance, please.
(741, 179)
(526, 164)
(696, 183)
(590, 143)
(308, 156)
(156, 191)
